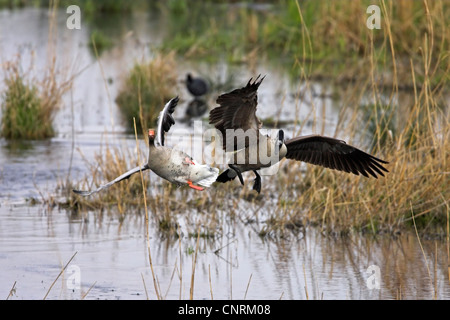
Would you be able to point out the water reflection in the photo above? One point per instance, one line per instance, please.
(112, 258)
(196, 108)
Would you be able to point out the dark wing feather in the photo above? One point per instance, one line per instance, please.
(166, 120)
(237, 110)
(335, 154)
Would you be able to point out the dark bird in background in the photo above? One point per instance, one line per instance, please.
(237, 110)
(196, 86)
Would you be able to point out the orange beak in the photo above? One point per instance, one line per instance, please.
(151, 132)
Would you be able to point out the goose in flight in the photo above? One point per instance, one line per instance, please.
(235, 118)
(172, 165)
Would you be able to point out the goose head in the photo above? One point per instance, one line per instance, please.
(282, 149)
(280, 139)
(151, 136)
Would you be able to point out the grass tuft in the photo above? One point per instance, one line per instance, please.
(146, 89)
(29, 105)
(24, 115)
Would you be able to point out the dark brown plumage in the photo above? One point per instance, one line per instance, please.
(237, 110)
(334, 154)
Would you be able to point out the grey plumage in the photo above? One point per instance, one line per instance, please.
(173, 165)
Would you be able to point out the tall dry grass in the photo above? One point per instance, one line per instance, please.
(407, 126)
(415, 141)
(29, 104)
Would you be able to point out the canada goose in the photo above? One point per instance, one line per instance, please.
(235, 118)
(172, 165)
(196, 86)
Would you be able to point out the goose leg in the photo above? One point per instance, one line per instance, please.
(193, 186)
(238, 172)
(257, 184)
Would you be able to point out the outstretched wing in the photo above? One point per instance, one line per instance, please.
(335, 154)
(124, 176)
(165, 120)
(237, 110)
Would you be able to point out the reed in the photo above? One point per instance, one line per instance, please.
(147, 87)
(100, 41)
(408, 126)
(23, 114)
(29, 104)
(414, 141)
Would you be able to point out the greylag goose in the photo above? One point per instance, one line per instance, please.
(235, 118)
(196, 86)
(172, 165)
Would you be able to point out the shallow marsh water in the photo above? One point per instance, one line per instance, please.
(111, 261)
(111, 257)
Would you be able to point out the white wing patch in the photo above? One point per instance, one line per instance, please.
(208, 175)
